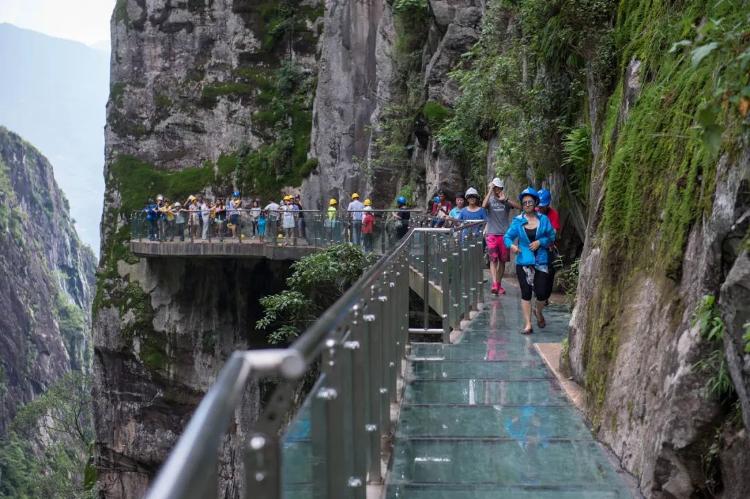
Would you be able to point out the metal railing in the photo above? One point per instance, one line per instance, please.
(310, 228)
(352, 358)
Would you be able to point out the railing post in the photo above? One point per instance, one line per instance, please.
(240, 211)
(262, 467)
(465, 280)
(471, 273)
(375, 423)
(480, 273)
(455, 263)
(426, 279)
(445, 287)
(358, 362)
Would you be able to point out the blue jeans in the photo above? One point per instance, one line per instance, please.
(357, 232)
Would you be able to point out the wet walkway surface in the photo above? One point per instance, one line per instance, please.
(484, 418)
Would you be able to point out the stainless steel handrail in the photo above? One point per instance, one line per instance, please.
(190, 469)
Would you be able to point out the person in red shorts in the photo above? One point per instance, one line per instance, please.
(498, 206)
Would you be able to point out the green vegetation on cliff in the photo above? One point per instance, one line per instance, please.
(523, 83)
(59, 468)
(693, 68)
(285, 121)
(406, 111)
(530, 82)
(317, 281)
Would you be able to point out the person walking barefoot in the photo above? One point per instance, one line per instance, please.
(534, 234)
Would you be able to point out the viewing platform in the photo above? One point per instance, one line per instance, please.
(229, 248)
(221, 240)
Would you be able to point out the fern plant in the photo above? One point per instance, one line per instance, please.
(714, 365)
(577, 158)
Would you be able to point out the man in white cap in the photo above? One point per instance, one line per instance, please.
(497, 205)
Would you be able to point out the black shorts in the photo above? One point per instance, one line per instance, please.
(542, 284)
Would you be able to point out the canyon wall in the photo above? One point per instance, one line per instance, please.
(46, 280)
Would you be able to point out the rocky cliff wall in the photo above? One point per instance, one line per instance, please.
(632, 112)
(666, 223)
(46, 279)
(206, 97)
(214, 95)
(383, 64)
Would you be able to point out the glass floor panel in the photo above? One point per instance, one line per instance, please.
(412, 491)
(519, 463)
(477, 391)
(518, 423)
(484, 418)
(490, 349)
(531, 369)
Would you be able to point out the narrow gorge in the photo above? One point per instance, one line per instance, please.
(46, 289)
(634, 113)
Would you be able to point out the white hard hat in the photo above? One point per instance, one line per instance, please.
(496, 182)
(471, 192)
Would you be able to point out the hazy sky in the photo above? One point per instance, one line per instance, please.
(86, 21)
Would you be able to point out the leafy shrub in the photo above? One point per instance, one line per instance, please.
(577, 157)
(714, 365)
(47, 450)
(317, 281)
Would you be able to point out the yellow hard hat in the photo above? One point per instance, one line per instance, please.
(332, 202)
(355, 196)
(287, 198)
(368, 202)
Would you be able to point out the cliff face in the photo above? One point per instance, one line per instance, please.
(656, 335)
(615, 106)
(206, 96)
(46, 279)
(381, 63)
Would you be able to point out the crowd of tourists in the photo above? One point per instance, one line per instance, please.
(201, 218)
(530, 235)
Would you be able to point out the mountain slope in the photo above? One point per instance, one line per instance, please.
(54, 93)
(46, 278)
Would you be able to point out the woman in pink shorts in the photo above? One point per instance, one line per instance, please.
(497, 205)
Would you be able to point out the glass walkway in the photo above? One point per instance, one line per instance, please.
(359, 411)
(484, 418)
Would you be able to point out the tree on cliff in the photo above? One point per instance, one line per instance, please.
(47, 450)
(317, 281)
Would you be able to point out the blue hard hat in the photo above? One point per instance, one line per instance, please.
(401, 201)
(529, 191)
(236, 194)
(545, 197)
(436, 199)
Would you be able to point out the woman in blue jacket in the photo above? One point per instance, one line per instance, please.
(534, 234)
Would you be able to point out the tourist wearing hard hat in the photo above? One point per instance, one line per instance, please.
(356, 210)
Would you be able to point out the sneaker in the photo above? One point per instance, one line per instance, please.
(501, 290)
(495, 288)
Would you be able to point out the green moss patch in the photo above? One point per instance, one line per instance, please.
(662, 162)
(137, 181)
(436, 114)
(212, 92)
(285, 116)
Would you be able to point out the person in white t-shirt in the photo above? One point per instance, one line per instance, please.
(356, 210)
(205, 211)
